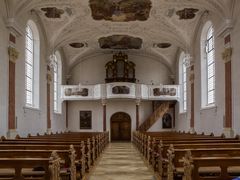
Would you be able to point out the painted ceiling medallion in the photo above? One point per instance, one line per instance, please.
(120, 42)
(52, 12)
(162, 45)
(76, 45)
(187, 13)
(120, 10)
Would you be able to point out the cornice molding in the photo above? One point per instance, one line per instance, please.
(14, 27)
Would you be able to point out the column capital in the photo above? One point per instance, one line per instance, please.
(104, 102)
(191, 76)
(138, 101)
(49, 75)
(13, 54)
(227, 54)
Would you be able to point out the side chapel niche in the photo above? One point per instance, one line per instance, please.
(120, 69)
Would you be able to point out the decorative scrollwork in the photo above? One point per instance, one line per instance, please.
(13, 54)
(160, 159)
(188, 166)
(72, 156)
(170, 167)
(83, 158)
(54, 166)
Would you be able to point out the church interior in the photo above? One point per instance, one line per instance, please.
(119, 89)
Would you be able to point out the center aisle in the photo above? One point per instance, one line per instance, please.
(121, 161)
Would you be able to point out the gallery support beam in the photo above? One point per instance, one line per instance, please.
(104, 104)
(137, 113)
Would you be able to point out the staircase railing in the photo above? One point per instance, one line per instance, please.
(157, 114)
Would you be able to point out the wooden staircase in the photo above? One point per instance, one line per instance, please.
(157, 114)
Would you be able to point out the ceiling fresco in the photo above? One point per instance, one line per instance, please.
(163, 45)
(120, 42)
(187, 13)
(158, 29)
(76, 45)
(120, 10)
(52, 12)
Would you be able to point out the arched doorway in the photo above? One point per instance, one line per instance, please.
(120, 127)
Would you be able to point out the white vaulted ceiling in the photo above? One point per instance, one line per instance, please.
(163, 26)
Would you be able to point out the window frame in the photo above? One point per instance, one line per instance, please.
(210, 37)
(57, 73)
(184, 84)
(34, 64)
(31, 38)
(208, 66)
(183, 81)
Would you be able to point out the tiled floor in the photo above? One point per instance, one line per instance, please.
(121, 161)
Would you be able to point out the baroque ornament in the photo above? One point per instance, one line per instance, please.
(53, 12)
(227, 55)
(120, 10)
(13, 54)
(187, 13)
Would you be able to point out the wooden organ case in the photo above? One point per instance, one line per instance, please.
(120, 69)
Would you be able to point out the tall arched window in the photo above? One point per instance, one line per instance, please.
(183, 82)
(57, 82)
(208, 65)
(32, 48)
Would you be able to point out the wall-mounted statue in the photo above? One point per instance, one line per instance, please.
(120, 69)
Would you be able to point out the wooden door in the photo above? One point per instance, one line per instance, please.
(120, 127)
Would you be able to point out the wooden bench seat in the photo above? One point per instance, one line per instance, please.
(228, 166)
(87, 147)
(164, 150)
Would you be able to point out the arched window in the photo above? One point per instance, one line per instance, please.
(32, 48)
(183, 82)
(57, 80)
(208, 65)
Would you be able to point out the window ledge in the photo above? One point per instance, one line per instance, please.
(208, 107)
(183, 113)
(31, 108)
(57, 113)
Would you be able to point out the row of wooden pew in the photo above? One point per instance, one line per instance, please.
(65, 156)
(175, 155)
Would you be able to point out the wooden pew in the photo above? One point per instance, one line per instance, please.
(88, 147)
(50, 165)
(228, 167)
(68, 157)
(161, 155)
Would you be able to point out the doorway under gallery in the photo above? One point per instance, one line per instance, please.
(120, 127)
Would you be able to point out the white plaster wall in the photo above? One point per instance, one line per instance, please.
(3, 78)
(113, 106)
(235, 68)
(74, 107)
(28, 120)
(92, 70)
(206, 120)
(182, 119)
